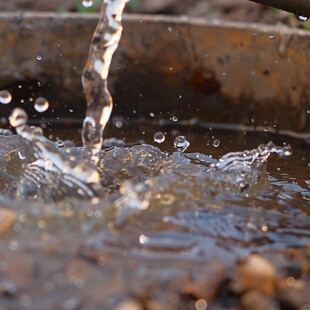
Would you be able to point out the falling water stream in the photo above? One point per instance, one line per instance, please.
(98, 225)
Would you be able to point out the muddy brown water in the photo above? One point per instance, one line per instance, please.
(164, 235)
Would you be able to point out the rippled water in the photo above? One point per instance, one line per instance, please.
(159, 212)
(159, 207)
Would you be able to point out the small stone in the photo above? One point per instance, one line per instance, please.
(255, 300)
(128, 305)
(7, 219)
(254, 273)
(199, 286)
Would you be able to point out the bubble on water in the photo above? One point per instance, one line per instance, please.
(216, 143)
(159, 137)
(39, 57)
(18, 118)
(174, 118)
(87, 3)
(5, 97)
(41, 104)
(271, 36)
(181, 143)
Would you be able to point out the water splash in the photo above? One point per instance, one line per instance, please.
(171, 180)
(48, 171)
(251, 159)
(99, 101)
(181, 143)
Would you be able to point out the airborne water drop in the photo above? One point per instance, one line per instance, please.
(216, 143)
(5, 97)
(18, 118)
(302, 18)
(159, 137)
(87, 3)
(41, 104)
(181, 143)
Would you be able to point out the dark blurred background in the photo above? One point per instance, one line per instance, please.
(232, 10)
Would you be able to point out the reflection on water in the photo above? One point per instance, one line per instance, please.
(159, 207)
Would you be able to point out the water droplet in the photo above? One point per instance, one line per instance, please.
(18, 118)
(143, 239)
(271, 36)
(181, 143)
(5, 97)
(159, 137)
(284, 151)
(201, 304)
(302, 18)
(41, 104)
(119, 124)
(174, 118)
(152, 114)
(39, 57)
(87, 3)
(59, 143)
(41, 224)
(216, 143)
(13, 245)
